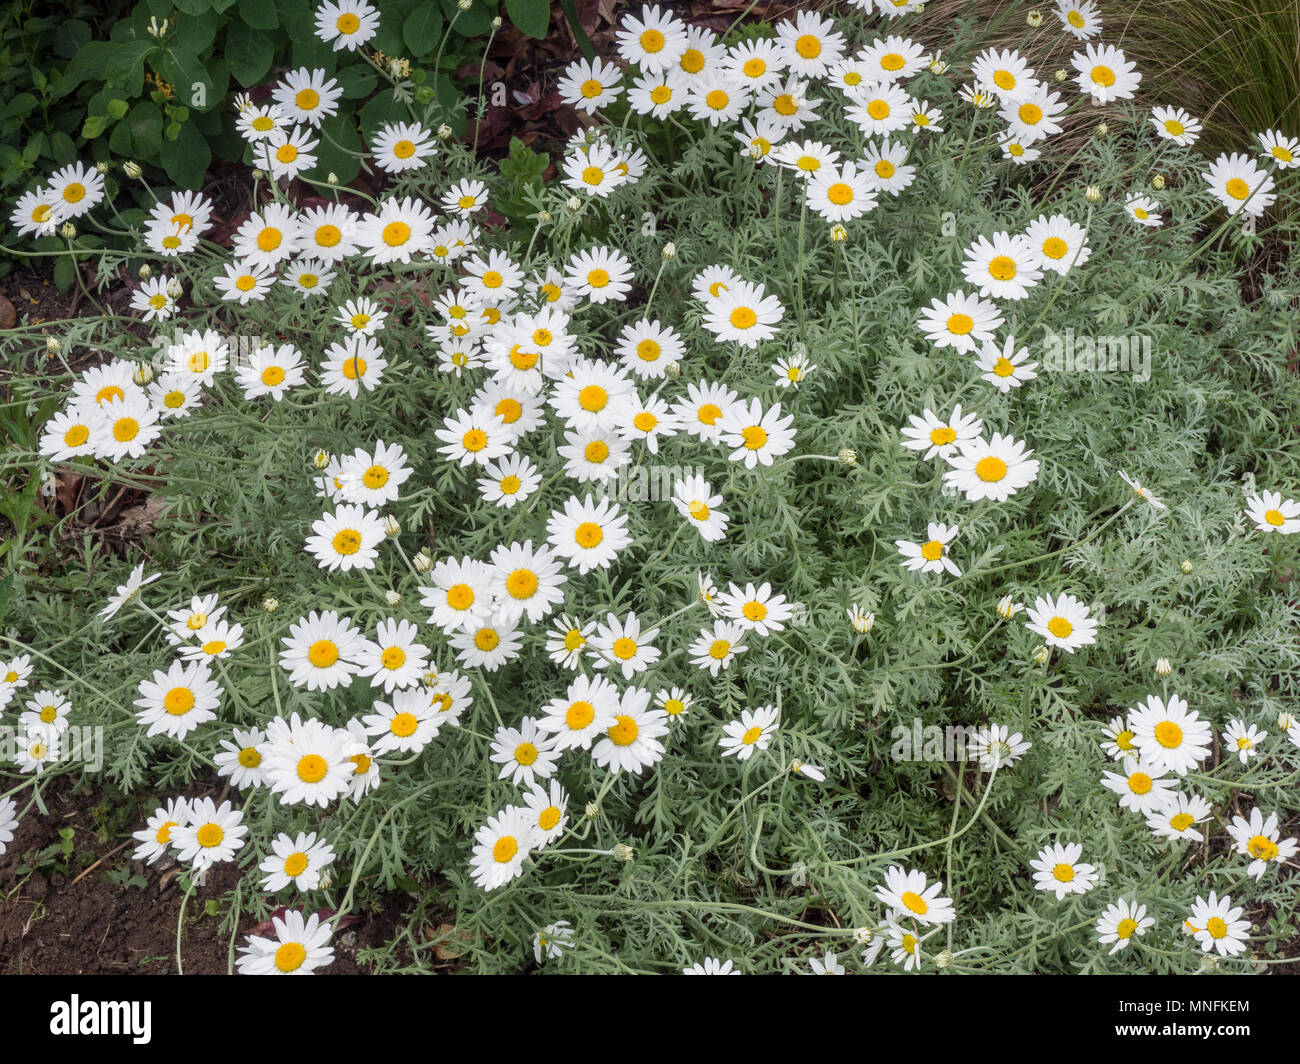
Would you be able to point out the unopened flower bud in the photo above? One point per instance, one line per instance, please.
(863, 935)
(1187, 567)
(258, 173)
(623, 852)
(270, 604)
(1163, 667)
(331, 178)
(52, 345)
(574, 204)
(145, 272)
(1092, 193)
(391, 525)
(839, 234)
(496, 23)
(422, 562)
(938, 66)
(132, 169)
(175, 289)
(464, 5)
(543, 217)
(1008, 608)
(320, 459)
(392, 598)
(1059, 75)
(68, 231)
(1041, 654)
(848, 456)
(103, 167)
(1034, 19)
(1158, 182)
(669, 251)
(142, 374)
(943, 958)
(445, 131)
(673, 369)
(591, 811)
(1102, 129)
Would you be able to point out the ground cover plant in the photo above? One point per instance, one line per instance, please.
(791, 534)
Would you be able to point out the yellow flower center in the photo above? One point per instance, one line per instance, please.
(932, 551)
(396, 233)
(652, 41)
(307, 99)
(623, 731)
(273, 376)
(327, 236)
(840, 193)
(249, 757)
(1002, 268)
(1030, 113)
(598, 278)
(1063, 873)
(808, 46)
(1140, 783)
(699, 510)
(624, 648)
(692, 61)
(504, 849)
(347, 541)
(76, 436)
(403, 725)
(522, 584)
(323, 653)
(1182, 821)
(125, 429)
(717, 99)
(588, 534)
(269, 238)
(1274, 517)
(1103, 75)
(990, 469)
(1169, 735)
(1262, 848)
(579, 715)
(884, 169)
(878, 109)
(348, 23)
(1237, 188)
(486, 639)
(1216, 927)
(593, 398)
(404, 149)
(596, 451)
(210, 835)
(393, 658)
(1060, 627)
(915, 903)
(178, 701)
(312, 768)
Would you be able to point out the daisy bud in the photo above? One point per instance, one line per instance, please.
(391, 525)
(918, 9)
(673, 369)
(496, 23)
(326, 878)
(543, 217)
(175, 289)
(331, 178)
(1041, 654)
(863, 935)
(1285, 721)
(1158, 182)
(1092, 193)
(1187, 566)
(321, 459)
(1103, 129)
(1059, 75)
(52, 346)
(258, 174)
(68, 231)
(623, 852)
(669, 251)
(444, 131)
(270, 604)
(422, 562)
(132, 169)
(464, 5)
(103, 168)
(142, 374)
(839, 234)
(591, 811)
(938, 66)
(943, 958)
(1007, 608)
(1163, 667)
(574, 204)
(145, 272)
(392, 598)
(431, 678)
(848, 456)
